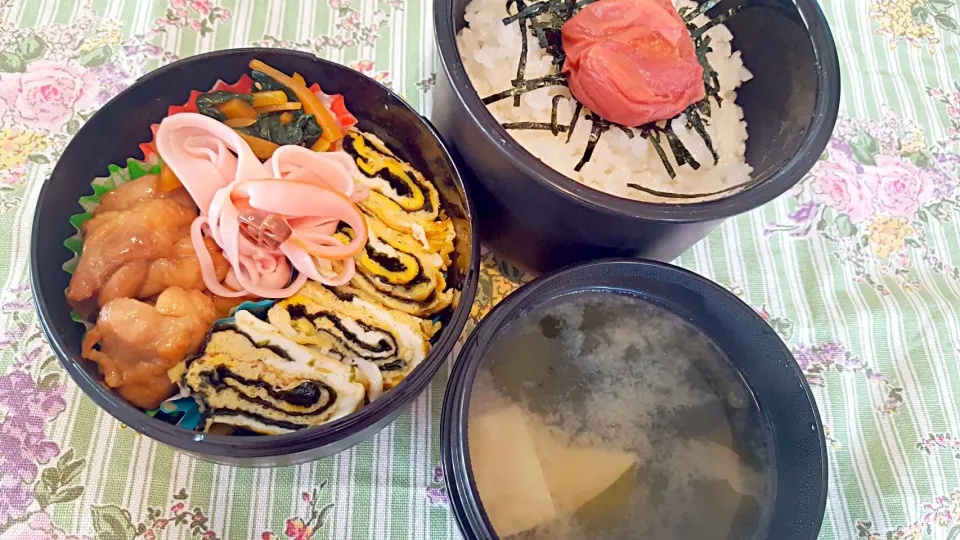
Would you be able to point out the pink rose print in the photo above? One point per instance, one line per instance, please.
(350, 22)
(195, 25)
(840, 186)
(363, 66)
(203, 7)
(46, 95)
(899, 186)
(40, 527)
(177, 4)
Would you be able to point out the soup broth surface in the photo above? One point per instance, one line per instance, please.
(603, 415)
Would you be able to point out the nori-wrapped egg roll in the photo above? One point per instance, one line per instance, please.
(250, 376)
(394, 270)
(400, 196)
(349, 328)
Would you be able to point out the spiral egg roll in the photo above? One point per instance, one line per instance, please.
(248, 375)
(350, 328)
(395, 271)
(400, 195)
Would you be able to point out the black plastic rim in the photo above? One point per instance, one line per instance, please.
(767, 187)
(797, 516)
(224, 447)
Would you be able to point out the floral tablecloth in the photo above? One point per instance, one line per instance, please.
(856, 268)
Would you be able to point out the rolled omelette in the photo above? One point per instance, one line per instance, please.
(396, 271)
(400, 195)
(346, 328)
(248, 375)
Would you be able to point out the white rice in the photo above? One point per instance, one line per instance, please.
(490, 52)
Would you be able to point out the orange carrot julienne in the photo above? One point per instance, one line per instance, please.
(237, 108)
(239, 122)
(269, 97)
(168, 180)
(321, 145)
(262, 148)
(288, 106)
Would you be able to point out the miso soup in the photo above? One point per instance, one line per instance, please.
(602, 415)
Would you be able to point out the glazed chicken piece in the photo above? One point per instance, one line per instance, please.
(178, 268)
(140, 190)
(139, 343)
(115, 238)
(136, 245)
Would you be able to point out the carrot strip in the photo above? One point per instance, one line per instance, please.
(168, 179)
(238, 108)
(240, 122)
(299, 78)
(288, 106)
(311, 103)
(270, 97)
(286, 118)
(321, 145)
(262, 148)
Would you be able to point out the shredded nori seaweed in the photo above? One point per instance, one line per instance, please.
(523, 87)
(694, 121)
(560, 128)
(546, 19)
(573, 121)
(654, 137)
(599, 127)
(689, 15)
(671, 195)
(554, 110)
(522, 67)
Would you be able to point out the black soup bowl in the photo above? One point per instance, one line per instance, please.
(540, 220)
(794, 505)
(113, 134)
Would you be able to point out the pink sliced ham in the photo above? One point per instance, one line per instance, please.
(268, 218)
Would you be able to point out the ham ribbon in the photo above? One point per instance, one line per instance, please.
(299, 192)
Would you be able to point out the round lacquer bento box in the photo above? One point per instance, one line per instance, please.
(114, 134)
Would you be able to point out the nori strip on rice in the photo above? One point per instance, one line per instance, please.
(560, 128)
(670, 195)
(553, 114)
(599, 127)
(573, 121)
(523, 87)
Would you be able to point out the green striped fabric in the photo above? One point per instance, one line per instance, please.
(856, 268)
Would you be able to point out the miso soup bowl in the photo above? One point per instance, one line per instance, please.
(787, 409)
(540, 220)
(113, 134)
